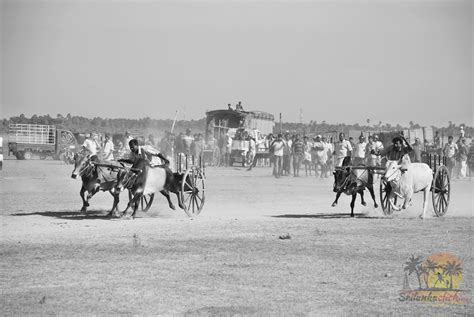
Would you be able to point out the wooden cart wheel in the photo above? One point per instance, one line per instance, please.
(192, 191)
(440, 191)
(384, 193)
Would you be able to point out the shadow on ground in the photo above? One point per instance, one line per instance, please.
(70, 215)
(330, 216)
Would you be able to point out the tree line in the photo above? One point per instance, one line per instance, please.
(79, 124)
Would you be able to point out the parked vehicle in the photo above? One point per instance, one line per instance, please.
(28, 140)
(236, 123)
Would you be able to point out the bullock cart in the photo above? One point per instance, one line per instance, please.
(191, 171)
(440, 187)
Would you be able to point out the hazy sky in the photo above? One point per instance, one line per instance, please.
(339, 61)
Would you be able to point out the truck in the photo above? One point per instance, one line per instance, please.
(25, 141)
(236, 123)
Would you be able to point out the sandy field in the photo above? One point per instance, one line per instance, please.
(227, 261)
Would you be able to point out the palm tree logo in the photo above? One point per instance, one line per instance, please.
(440, 271)
(452, 269)
(413, 265)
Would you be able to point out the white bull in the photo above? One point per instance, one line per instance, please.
(406, 179)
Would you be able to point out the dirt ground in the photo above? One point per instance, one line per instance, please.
(227, 261)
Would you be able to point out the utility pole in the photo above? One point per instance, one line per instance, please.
(301, 121)
(281, 130)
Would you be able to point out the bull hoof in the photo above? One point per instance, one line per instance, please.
(83, 209)
(181, 206)
(376, 206)
(173, 207)
(352, 215)
(364, 203)
(86, 204)
(421, 217)
(334, 204)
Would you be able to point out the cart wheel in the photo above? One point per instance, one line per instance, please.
(28, 155)
(384, 193)
(192, 191)
(146, 201)
(440, 191)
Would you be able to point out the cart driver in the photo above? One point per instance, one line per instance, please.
(395, 152)
(145, 152)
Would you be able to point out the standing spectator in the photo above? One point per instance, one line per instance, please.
(90, 144)
(121, 151)
(277, 150)
(416, 153)
(180, 143)
(342, 149)
(286, 155)
(359, 151)
(126, 140)
(228, 148)
(470, 159)
(450, 150)
(378, 150)
(165, 145)
(198, 146)
(437, 141)
(298, 155)
(150, 140)
(108, 148)
(462, 157)
(351, 141)
(370, 156)
(188, 140)
(270, 139)
(319, 156)
(252, 149)
(329, 150)
(307, 155)
(221, 144)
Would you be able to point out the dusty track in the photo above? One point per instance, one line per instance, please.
(227, 261)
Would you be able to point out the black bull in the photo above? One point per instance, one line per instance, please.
(352, 181)
(95, 178)
(142, 177)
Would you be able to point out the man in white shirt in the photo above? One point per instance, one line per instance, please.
(359, 151)
(450, 150)
(342, 149)
(320, 156)
(90, 144)
(108, 148)
(378, 150)
(277, 150)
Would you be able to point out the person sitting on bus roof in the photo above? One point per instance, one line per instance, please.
(238, 107)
